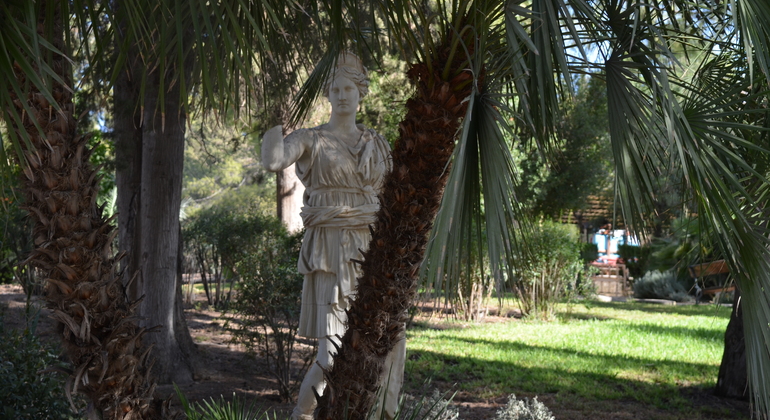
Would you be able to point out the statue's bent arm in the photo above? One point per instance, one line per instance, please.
(279, 153)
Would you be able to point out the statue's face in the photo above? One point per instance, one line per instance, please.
(343, 95)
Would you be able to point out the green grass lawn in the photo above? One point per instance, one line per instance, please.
(606, 351)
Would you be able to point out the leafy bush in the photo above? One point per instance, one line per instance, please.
(16, 237)
(548, 269)
(220, 409)
(26, 393)
(589, 252)
(685, 245)
(433, 407)
(234, 241)
(636, 258)
(269, 308)
(388, 86)
(660, 285)
(217, 238)
(524, 410)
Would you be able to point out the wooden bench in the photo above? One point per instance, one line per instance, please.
(698, 271)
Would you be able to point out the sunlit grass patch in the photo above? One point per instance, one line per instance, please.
(602, 351)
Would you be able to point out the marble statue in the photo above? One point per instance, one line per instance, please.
(342, 165)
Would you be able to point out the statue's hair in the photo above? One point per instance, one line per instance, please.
(361, 80)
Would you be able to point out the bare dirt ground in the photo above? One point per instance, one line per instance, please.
(227, 369)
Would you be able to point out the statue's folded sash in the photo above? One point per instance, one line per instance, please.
(345, 217)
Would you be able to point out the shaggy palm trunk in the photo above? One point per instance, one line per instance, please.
(73, 250)
(409, 202)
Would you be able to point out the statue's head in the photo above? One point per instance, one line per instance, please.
(351, 67)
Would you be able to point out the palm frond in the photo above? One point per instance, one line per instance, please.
(503, 214)
(752, 17)
(217, 53)
(23, 51)
(350, 27)
(313, 86)
(707, 131)
(548, 76)
(449, 238)
(634, 129)
(479, 215)
(719, 134)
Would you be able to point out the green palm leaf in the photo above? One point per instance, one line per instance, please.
(479, 214)
(212, 47)
(725, 185)
(703, 130)
(707, 125)
(22, 51)
(752, 17)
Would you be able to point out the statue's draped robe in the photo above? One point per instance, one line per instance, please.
(340, 202)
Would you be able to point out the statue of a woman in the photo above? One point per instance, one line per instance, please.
(342, 166)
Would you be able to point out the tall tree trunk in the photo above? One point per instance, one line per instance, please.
(289, 192)
(732, 381)
(159, 204)
(181, 330)
(127, 135)
(131, 179)
(73, 249)
(409, 202)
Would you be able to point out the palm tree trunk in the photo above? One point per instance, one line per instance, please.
(409, 201)
(73, 249)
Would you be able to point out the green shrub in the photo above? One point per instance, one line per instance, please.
(660, 285)
(16, 237)
(549, 269)
(217, 238)
(269, 306)
(589, 252)
(636, 258)
(433, 407)
(25, 393)
(524, 410)
(221, 409)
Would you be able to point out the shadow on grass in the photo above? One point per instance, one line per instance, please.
(700, 333)
(542, 369)
(701, 310)
(579, 316)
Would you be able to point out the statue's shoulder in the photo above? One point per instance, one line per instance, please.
(317, 131)
(379, 138)
(369, 132)
(303, 132)
(305, 136)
